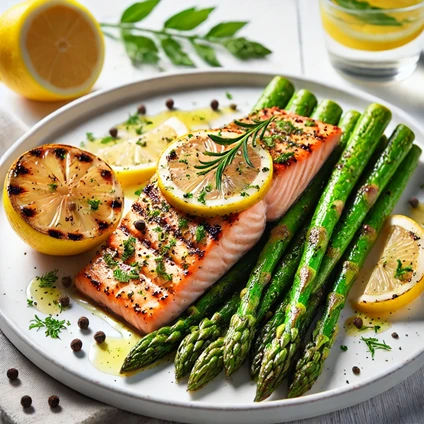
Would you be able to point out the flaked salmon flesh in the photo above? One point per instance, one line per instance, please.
(160, 260)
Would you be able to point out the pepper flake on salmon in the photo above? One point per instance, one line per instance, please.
(160, 260)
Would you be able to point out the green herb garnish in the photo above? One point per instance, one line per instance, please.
(401, 271)
(161, 271)
(182, 223)
(138, 192)
(52, 186)
(108, 139)
(48, 279)
(373, 344)
(226, 157)
(110, 261)
(200, 233)
(228, 95)
(202, 195)
(343, 348)
(53, 326)
(90, 136)
(30, 302)
(124, 276)
(283, 158)
(129, 248)
(310, 123)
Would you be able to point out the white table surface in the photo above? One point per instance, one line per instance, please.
(292, 30)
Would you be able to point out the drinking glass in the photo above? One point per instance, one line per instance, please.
(374, 39)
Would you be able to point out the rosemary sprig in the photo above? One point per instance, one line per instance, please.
(373, 344)
(226, 157)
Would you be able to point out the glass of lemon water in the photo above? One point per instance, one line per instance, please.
(374, 39)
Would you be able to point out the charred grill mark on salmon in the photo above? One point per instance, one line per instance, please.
(160, 260)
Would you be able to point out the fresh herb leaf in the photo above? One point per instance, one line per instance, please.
(48, 279)
(228, 95)
(343, 348)
(245, 49)
(138, 192)
(207, 53)
(110, 261)
(377, 328)
(225, 158)
(129, 248)
(107, 139)
(133, 119)
(202, 195)
(310, 123)
(90, 136)
(225, 29)
(140, 49)
(188, 19)
(138, 11)
(161, 271)
(188, 195)
(402, 272)
(289, 128)
(200, 233)
(373, 344)
(94, 204)
(53, 326)
(182, 223)
(52, 186)
(174, 50)
(283, 158)
(125, 277)
(30, 302)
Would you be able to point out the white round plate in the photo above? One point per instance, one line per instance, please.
(154, 392)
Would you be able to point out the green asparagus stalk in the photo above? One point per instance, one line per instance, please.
(202, 336)
(159, 343)
(242, 326)
(302, 103)
(310, 366)
(365, 138)
(277, 93)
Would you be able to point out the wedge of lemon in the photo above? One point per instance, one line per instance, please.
(134, 156)
(50, 50)
(397, 278)
(185, 188)
(62, 200)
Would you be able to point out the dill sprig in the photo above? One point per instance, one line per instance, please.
(226, 157)
(48, 279)
(373, 344)
(402, 271)
(53, 326)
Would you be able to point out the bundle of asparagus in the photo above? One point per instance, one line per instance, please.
(217, 332)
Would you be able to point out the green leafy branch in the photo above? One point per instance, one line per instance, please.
(226, 157)
(145, 49)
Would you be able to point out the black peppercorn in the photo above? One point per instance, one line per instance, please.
(358, 323)
(76, 345)
(83, 323)
(356, 370)
(12, 374)
(170, 104)
(54, 401)
(66, 281)
(414, 202)
(395, 335)
(214, 104)
(64, 300)
(113, 132)
(26, 401)
(100, 337)
(140, 225)
(142, 109)
(233, 106)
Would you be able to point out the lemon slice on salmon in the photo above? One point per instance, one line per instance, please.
(134, 156)
(242, 185)
(50, 50)
(397, 278)
(62, 200)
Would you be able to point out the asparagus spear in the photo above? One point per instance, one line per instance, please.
(202, 336)
(364, 140)
(277, 93)
(242, 325)
(310, 366)
(285, 272)
(159, 343)
(302, 103)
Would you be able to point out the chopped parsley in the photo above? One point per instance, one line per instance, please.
(90, 136)
(161, 271)
(343, 348)
(30, 302)
(228, 95)
(107, 139)
(310, 123)
(94, 204)
(110, 261)
(141, 143)
(129, 248)
(182, 223)
(138, 192)
(288, 127)
(167, 247)
(53, 326)
(244, 194)
(188, 195)
(48, 279)
(269, 141)
(133, 119)
(202, 195)
(200, 233)
(125, 277)
(401, 272)
(265, 169)
(283, 158)
(141, 293)
(52, 186)
(373, 344)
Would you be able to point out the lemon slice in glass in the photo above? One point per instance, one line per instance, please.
(397, 278)
(134, 157)
(62, 200)
(185, 188)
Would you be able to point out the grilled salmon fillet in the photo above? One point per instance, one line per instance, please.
(160, 260)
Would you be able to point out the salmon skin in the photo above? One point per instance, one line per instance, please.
(160, 260)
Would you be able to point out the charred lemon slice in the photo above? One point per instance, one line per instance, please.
(397, 278)
(62, 200)
(190, 190)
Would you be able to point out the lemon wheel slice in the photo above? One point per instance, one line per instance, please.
(134, 157)
(397, 278)
(183, 186)
(62, 200)
(50, 50)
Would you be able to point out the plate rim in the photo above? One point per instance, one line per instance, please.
(13, 332)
